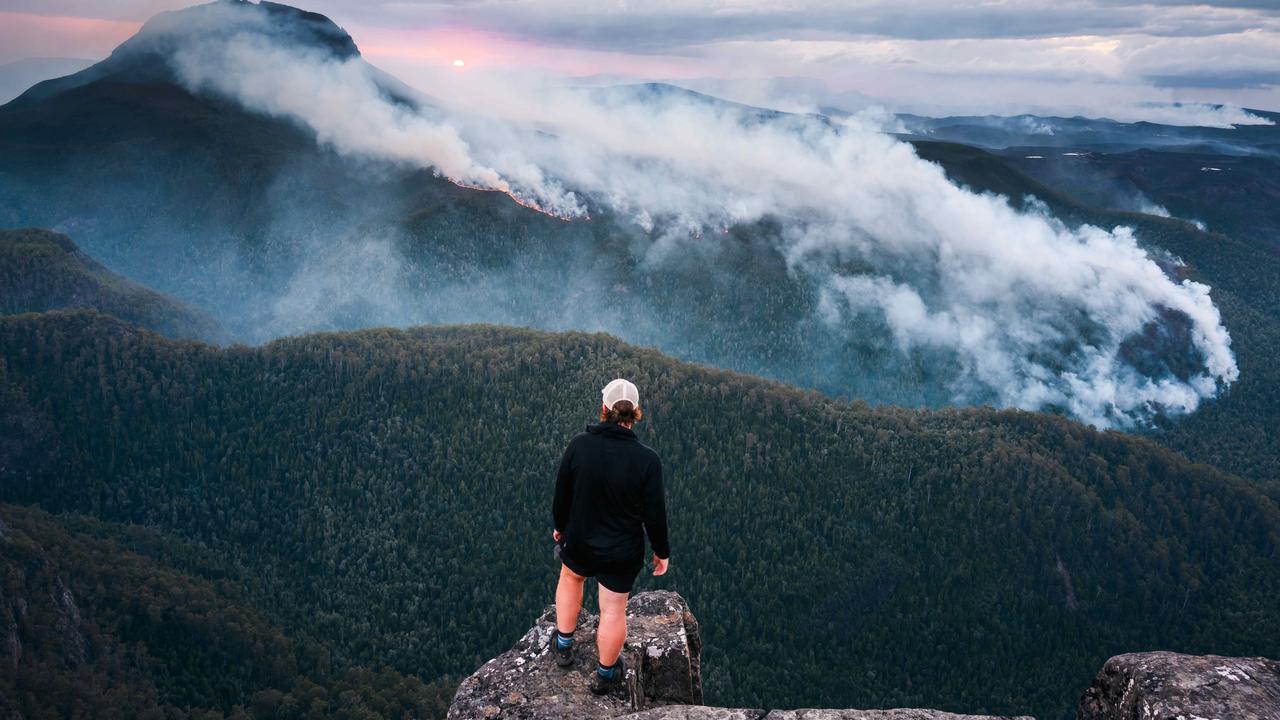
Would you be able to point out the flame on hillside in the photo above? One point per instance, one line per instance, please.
(521, 201)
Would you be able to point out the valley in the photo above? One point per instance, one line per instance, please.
(964, 405)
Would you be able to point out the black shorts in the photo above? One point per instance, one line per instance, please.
(619, 582)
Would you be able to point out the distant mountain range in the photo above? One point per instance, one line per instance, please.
(1226, 179)
(1097, 135)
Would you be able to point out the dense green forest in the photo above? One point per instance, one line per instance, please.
(385, 494)
(94, 625)
(42, 270)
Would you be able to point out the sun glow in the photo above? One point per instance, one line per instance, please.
(459, 64)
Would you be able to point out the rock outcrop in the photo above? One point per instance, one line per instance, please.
(1170, 686)
(664, 676)
(662, 653)
(713, 713)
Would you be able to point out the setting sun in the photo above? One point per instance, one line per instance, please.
(459, 64)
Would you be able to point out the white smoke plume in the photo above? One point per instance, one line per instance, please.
(1033, 314)
(1187, 114)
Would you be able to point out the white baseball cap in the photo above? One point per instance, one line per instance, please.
(620, 390)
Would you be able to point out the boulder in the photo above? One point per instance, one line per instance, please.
(1171, 686)
(662, 656)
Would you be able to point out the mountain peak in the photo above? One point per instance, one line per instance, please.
(281, 23)
(147, 56)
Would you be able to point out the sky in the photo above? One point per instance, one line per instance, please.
(1093, 57)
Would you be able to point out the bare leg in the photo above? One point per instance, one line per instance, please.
(568, 600)
(613, 625)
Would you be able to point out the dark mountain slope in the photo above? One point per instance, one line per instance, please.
(387, 491)
(41, 270)
(89, 628)
(187, 193)
(1233, 194)
(127, 168)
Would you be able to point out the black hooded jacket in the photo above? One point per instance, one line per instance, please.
(608, 487)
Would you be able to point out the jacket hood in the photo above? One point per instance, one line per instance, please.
(611, 430)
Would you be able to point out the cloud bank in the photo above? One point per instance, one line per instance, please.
(1024, 311)
(1115, 58)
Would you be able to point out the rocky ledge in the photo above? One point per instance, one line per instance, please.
(664, 680)
(664, 676)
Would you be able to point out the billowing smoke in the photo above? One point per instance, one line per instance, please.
(1021, 309)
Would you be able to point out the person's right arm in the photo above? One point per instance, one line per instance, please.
(563, 500)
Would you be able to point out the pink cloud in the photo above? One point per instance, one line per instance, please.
(439, 46)
(24, 35)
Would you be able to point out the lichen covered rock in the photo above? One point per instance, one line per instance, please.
(1171, 686)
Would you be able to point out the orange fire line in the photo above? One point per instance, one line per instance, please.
(518, 200)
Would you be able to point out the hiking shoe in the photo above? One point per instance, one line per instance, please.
(601, 685)
(564, 655)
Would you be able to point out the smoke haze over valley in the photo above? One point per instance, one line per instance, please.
(887, 281)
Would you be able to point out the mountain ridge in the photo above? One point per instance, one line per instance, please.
(42, 270)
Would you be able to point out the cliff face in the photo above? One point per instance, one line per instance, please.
(33, 597)
(664, 681)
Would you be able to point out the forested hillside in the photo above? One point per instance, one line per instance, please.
(91, 628)
(42, 270)
(388, 492)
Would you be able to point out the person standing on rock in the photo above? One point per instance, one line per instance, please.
(608, 495)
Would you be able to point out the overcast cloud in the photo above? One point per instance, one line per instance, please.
(1094, 57)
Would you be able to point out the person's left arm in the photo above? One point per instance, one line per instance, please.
(655, 517)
